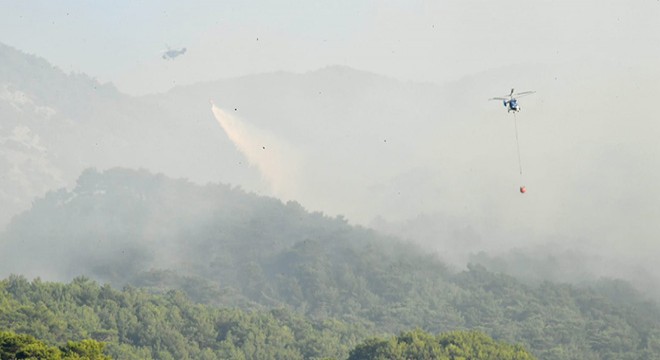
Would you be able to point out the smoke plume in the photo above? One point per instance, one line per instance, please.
(277, 161)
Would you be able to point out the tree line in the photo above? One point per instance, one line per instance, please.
(258, 258)
(95, 322)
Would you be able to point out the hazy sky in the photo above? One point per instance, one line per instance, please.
(122, 41)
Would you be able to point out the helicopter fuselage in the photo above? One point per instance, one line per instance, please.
(512, 105)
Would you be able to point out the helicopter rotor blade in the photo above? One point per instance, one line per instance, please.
(524, 93)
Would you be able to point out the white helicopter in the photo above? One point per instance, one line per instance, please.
(511, 100)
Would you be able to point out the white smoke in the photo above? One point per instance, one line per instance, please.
(278, 162)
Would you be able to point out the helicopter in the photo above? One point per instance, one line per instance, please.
(511, 103)
(511, 100)
(170, 54)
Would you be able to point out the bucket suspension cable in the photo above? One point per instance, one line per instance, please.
(515, 124)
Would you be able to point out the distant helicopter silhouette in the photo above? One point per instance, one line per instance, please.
(170, 54)
(511, 100)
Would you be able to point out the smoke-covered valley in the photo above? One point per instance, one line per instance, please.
(433, 164)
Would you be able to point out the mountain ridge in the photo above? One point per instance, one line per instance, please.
(228, 247)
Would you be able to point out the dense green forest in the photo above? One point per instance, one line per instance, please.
(266, 260)
(20, 346)
(134, 324)
(454, 345)
(138, 325)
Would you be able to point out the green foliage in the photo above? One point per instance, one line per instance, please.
(454, 345)
(20, 346)
(85, 350)
(332, 284)
(135, 324)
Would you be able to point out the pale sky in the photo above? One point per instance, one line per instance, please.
(122, 41)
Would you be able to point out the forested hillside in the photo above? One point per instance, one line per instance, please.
(137, 325)
(20, 346)
(454, 345)
(55, 124)
(132, 324)
(225, 247)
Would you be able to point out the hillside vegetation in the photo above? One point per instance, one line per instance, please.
(454, 345)
(18, 346)
(137, 325)
(133, 324)
(228, 248)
